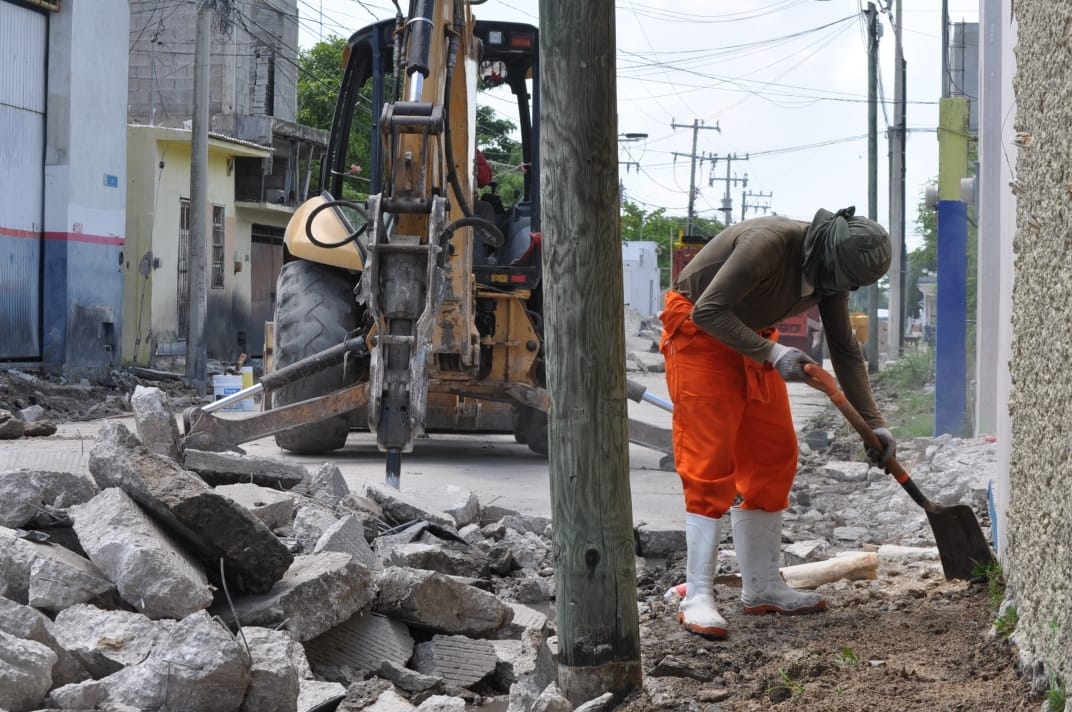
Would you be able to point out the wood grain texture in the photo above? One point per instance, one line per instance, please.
(585, 344)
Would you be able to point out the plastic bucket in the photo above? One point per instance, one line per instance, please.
(225, 386)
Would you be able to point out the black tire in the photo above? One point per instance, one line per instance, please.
(315, 310)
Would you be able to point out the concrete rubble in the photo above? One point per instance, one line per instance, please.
(221, 581)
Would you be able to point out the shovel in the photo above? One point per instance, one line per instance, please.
(957, 533)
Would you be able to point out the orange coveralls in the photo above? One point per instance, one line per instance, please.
(733, 430)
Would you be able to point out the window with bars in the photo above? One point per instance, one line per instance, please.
(183, 269)
(217, 246)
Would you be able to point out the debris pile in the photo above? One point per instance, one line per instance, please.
(217, 581)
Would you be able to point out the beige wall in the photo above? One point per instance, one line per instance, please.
(154, 194)
(1039, 555)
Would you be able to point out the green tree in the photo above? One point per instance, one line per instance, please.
(662, 229)
(320, 73)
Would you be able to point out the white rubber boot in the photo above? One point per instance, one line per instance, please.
(757, 538)
(697, 610)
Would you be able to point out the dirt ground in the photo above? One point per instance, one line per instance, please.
(916, 642)
(907, 641)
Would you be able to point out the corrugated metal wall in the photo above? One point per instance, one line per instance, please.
(23, 41)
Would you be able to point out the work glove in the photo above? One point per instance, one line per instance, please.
(879, 458)
(789, 362)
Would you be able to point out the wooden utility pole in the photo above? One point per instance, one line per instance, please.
(595, 568)
(696, 126)
(872, 174)
(196, 348)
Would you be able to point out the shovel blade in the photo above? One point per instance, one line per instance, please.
(960, 541)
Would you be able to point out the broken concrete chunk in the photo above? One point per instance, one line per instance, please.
(459, 660)
(151, 571)
(315, 693)
(32, 414)
(87, 695)
(655, 542)
(460, 503)
(274, 508)
(156, 426)
(318, 592)
(400, 507)
(552, 700)
(442, 703)
(326, 484)
(228, 468)
(310, 522)
(409, 680)
(44, 570)
(106, 641)
(430, 600)
(39, 429)
(214, 526)
(23, 494)
(358, 646)
(199, 665)
(275, 675)
(348, 536)
(436, 557)
(25, 622)
(11, 428)
(25, 673)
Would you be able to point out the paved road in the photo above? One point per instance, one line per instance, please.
(495, 467)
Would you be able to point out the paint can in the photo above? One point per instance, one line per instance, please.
(224, 385)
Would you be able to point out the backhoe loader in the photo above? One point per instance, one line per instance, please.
(419, 308)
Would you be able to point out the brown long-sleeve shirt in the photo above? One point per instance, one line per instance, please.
(749, 277)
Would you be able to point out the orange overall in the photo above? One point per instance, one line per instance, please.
(733, 431)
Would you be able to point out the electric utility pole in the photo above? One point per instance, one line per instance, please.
(727, 202)
(899, 263)
(196, 348)
(872, 174)
(746, 206)
(696, 126)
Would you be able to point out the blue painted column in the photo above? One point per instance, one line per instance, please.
(950, 365)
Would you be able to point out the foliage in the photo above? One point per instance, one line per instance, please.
(911, 372)
(1056, 697)
(788, 685)
(995, 581)
(847, 656)
(656, 226)
(320, 73)
(1005, 625)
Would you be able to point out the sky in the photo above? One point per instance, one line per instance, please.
(784, 81)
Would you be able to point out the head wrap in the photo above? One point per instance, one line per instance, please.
(843, 252)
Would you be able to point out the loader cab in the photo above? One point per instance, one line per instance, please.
(508, 76)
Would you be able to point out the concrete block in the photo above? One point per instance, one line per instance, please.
(347, 535)
(461, 504)
(390, 701)
(656, 542)
(315, 693)
(326, 484)
(156, 425)
(805, 552)
(228, 468)
(459, 660)
(32, 414)
(318, 592)
(552, 700)
(25, 673)
(400, 507)
(54, 576)
(435, 557)
(310, 522)
(23, 494)
(151, 571)
(213, 526)
(530, 550)
(358, 646)
(87, 695)
(526, 523)
(435, 602)
(28, 623)
(11, 428)
(199, 665)
(274, 679)
(274, 508)
(409, 680)
(39, 429)
(442, 703)
(107, 641)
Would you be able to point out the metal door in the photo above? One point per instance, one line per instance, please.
(23, 39)
(266, 260)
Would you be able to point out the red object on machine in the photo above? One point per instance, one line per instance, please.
(803, 331)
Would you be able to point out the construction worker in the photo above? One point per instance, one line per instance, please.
(733, 433)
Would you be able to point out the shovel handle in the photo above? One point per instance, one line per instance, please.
(821, 379)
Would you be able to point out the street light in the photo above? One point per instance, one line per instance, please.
(632, 136)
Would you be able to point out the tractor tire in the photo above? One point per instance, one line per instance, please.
(315, 310)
